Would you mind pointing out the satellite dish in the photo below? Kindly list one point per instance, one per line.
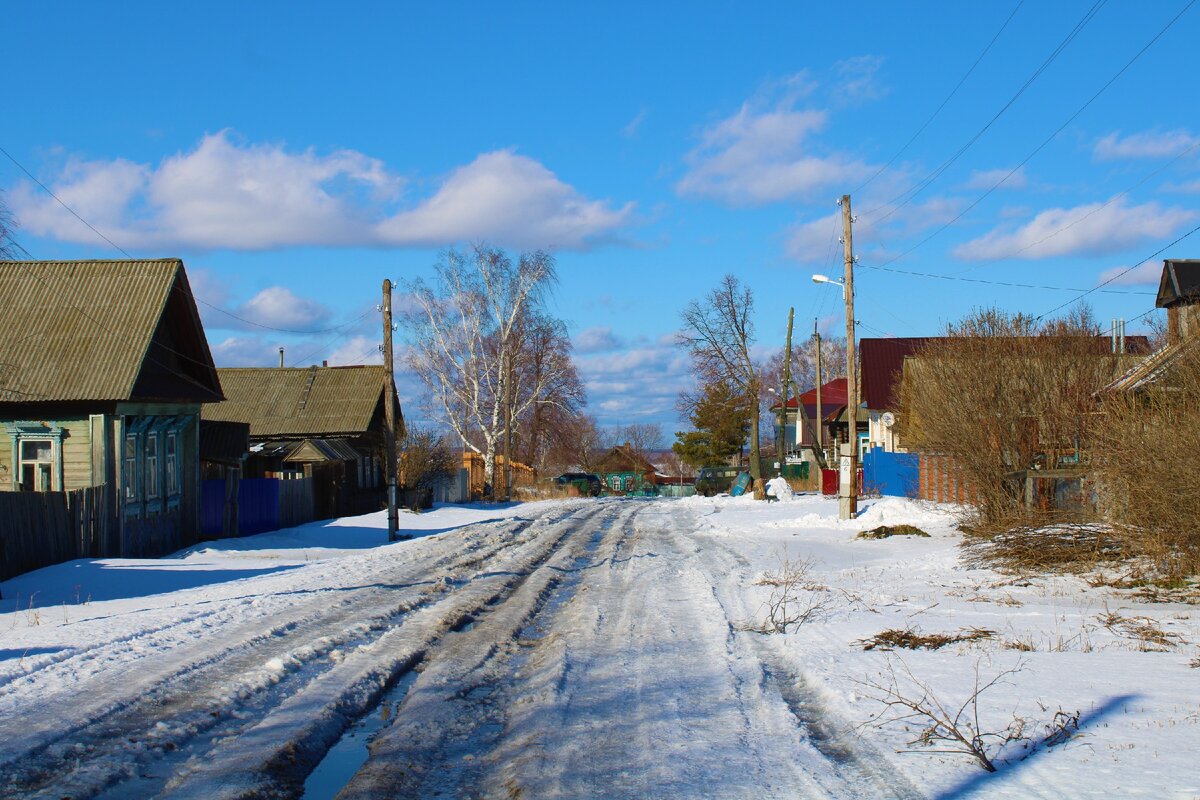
(888, 419)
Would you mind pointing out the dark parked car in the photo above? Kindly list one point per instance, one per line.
(588, 483)
(714, 480)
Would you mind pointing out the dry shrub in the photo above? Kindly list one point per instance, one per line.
(913, 639)
(886, 531)
(795, 598)
(1056, 548)
(1145, 446)
(1002, 394)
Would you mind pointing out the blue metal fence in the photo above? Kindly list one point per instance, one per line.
(894, 474)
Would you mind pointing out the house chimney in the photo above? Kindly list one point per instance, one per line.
(281, 358)
(324, 363)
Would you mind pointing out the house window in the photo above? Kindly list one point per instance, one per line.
(615, 482)
(131, 471)
(37, 458)
(151, 466)
(172, 457)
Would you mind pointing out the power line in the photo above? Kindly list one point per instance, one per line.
(921, 185)
(126, 253)
(1048, 139)
(947, 99)
(1125, 271)
(1095, 210)
(997, 283)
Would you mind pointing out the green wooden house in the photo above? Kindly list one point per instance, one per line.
(103, 369)
(624, 471)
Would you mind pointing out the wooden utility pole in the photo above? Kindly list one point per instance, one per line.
(848, 505)
(820, 410)
(783, 397)
(389, 406)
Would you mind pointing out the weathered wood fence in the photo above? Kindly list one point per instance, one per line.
(38, 529)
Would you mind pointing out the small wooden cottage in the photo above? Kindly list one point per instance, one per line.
(625, 471)
(103, 369)
(323, 423)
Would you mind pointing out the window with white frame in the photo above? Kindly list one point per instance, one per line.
(37, 461)
(129, 457)
(172, 463)
(152, 466)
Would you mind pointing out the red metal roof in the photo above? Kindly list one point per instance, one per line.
(833, 399)
(881, 362)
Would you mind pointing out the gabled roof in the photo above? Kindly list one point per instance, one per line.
(301, 403)
(1180, 283)
(1151, 369)
(101, 331)
(833, 399)
(624, 458)
(882, 363)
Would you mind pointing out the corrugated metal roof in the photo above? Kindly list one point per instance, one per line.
(298, 403)
(1151, 369)
(81, 330)
(882, 364)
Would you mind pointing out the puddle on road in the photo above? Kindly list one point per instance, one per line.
(349, 754)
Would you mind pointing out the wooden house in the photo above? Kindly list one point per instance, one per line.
(625, 471)
(323, 423)
(103, 369)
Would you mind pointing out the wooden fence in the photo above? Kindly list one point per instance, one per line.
(38, 529)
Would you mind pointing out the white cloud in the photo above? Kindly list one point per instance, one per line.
(1092, 229)
(245, 351)
(357, 350)
(764, 153)
(988, 178)
(857, 78)
(280, 307)
(228, 194)
(596, 340)
(632, 127)
(638, 383)
(816, 241)
(507, 199)
(1144, 273)
(1147, 144)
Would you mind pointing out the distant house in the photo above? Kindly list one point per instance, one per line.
(324, 423)
(103, 369)
(624, 471)
(804, 424)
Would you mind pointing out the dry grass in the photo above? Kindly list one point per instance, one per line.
(795, 598)
(1148, 632)
(1061, 548)
(887, 531)
(913, 639)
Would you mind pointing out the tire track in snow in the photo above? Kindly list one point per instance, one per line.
(859, 769)
(144, 712)
(457, 707)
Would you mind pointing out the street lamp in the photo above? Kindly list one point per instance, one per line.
(827, 279)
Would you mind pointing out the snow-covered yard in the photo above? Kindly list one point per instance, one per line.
(580, 649)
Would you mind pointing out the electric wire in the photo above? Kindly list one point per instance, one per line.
(1046, 141)
(938, 110)
(905, 197)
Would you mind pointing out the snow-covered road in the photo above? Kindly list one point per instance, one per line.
(569, 649)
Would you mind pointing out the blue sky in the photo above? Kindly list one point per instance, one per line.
(296, 154)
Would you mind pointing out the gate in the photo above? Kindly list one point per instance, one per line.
(892, 474)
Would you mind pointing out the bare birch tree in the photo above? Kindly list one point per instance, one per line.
(718, 334)
(464, 331)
